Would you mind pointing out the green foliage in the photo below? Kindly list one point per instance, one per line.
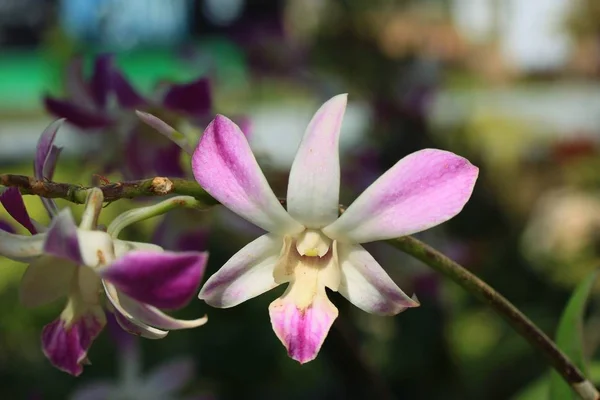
(569, 337)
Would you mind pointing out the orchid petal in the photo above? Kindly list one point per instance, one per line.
(20, 247)
(76, 87)
(46, 156)
(152, 316)
(66, 344)
(64, 240)
(12, 200)
(247, 274)
(126, 94)
(192, 98)
(314, 184)
(171, 376)
(76, 114)
(422, 190)
(302, 330)
(127, 321)
(48, 172)
(100, 82)
(51, 161)
(44, 147)
(223, 164)
(123, 247)
(46, 279)
(164, 279)
(366, 285)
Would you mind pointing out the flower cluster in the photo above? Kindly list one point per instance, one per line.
(82, 263)
(105, 103)
(308, 245)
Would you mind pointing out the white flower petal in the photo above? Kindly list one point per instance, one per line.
(247, 274)
(314, 184)
(366, 285)
(46, 279)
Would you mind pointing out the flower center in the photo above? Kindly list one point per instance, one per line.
(312, 243)
(309, 263)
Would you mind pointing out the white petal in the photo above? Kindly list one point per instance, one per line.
(314, 184)
(124, 246)
(422, 190)
(20, 247)
(366, 285)
(145, 330)
(247, 274)
(224, 165)
(46, 279)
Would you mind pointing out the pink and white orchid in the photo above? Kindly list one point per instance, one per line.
(310, 246)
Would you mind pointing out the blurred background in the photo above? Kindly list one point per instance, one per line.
(511, 85)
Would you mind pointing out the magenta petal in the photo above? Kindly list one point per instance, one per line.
(44, 147)
(126, 94)
(100, 83)
(12, 200)
(76, 86)
(76, 114)
(224, 165)
(51, 161)
(422, 190)
(164, 280)
(61, 240)
(192, 98)
(46, 156)
(302, 331)
(66, 346)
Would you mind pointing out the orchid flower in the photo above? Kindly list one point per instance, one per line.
(309, 246)
(80, 263)
(90, 106)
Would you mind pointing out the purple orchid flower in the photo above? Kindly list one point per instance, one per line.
(105, 103)
(310, 246)
(77, 262)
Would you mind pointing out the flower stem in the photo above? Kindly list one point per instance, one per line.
(517, 320)
(142, 213)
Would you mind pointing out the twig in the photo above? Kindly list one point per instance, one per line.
(158, 186)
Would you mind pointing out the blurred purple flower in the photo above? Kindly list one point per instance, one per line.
(105, 104)
(161, 383)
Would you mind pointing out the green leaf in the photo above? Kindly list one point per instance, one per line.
(569, 337)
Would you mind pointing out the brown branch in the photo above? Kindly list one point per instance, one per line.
(158, 186)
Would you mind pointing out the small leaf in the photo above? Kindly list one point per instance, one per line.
(569, 337)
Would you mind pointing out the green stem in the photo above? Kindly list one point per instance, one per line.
(139, 214)
(517, 320)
